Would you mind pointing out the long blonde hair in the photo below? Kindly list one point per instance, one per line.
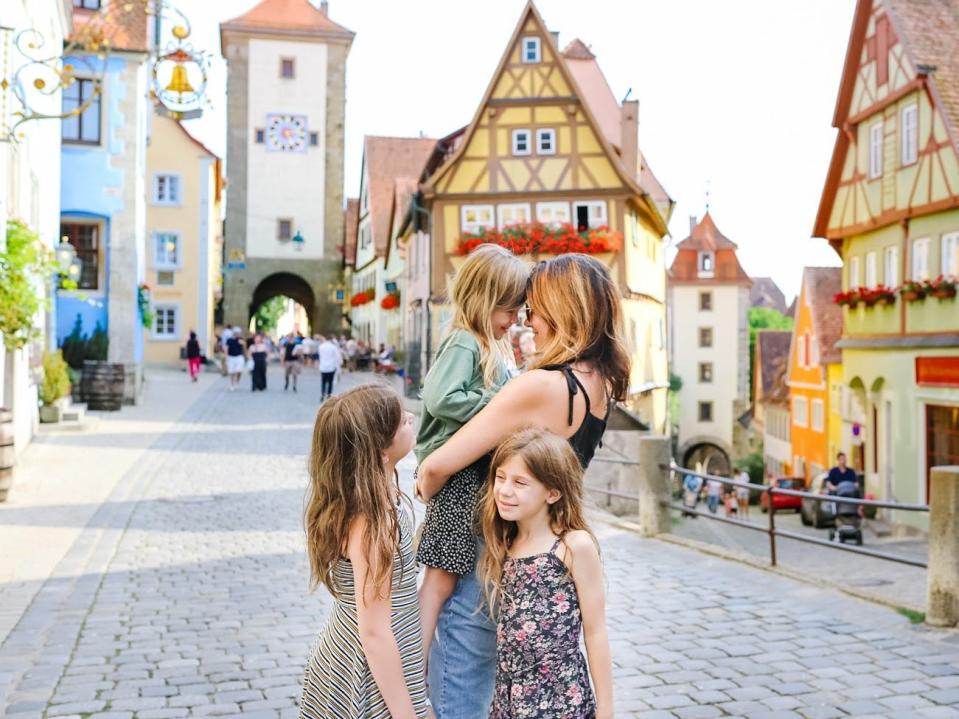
(347, 481)
(491, 278)
(551, 461)
(577, 298)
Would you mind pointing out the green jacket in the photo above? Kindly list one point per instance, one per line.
(453, 392)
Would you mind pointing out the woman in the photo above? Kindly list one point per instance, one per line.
(582, 366)
(258, 352)
(193, 355)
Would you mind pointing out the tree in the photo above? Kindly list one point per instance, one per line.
(763, 318)
(268, 314)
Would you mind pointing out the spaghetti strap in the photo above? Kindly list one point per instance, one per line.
(552, 550)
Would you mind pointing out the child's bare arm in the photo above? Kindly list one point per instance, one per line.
(376, 632)
(587, 570)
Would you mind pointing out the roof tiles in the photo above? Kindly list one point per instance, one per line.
(297, 16)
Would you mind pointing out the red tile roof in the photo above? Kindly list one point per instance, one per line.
(821, 283)
(705, 236)
(351, 220)
(388, 159)
(766, 293)
(287, 16)
(772, 358)
(124, 25)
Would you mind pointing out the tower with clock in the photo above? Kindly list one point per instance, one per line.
(285, 108)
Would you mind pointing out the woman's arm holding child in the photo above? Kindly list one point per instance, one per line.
(376, 631)
(587, 570)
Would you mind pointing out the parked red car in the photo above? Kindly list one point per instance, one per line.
(783, 501)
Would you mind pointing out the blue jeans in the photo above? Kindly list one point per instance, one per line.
(462, 667)
(712, 501)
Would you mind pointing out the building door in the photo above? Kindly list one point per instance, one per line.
(942, 438)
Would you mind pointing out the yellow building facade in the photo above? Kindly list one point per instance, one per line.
(549, 143)
(890, 208)
(184, 240)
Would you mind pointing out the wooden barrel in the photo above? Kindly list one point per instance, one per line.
(7, 456)
(103, 385)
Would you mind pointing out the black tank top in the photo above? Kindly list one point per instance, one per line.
(589, 435)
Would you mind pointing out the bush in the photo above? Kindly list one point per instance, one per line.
(754, 466)
(77, 347)
(56, 381)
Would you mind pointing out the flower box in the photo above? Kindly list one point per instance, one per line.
(362, 298)
(536, 238)
(391, 301)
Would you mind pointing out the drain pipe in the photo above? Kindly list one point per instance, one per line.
(416, 207)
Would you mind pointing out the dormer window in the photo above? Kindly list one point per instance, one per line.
(531, 50)
(707, 264)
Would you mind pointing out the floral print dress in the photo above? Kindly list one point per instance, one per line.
(540, 670)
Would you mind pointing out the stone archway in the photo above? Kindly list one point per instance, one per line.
(707, 458)
(288, 285)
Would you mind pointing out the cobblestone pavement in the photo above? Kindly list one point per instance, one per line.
(185, 595)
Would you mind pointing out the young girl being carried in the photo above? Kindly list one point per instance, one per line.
(472, 363)
(368, 661)
(543, 574)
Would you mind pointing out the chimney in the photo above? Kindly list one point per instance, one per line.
(629, 127)
(692, 223)
(325, 8)
(555, 34)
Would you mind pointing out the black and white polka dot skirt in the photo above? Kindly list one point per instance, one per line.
(448, 538)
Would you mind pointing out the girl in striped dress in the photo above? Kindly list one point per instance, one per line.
(368, 661)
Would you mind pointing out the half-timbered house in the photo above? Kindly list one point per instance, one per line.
(550, 144)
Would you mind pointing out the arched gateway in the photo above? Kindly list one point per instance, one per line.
(285, 111)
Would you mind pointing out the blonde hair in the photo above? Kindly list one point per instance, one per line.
(491, 278)
(576, 297)
(552, 462)
(347, 481)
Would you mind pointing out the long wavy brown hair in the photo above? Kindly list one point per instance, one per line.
(550, 460)
(348, 481)
(492, 278)
(577, 298)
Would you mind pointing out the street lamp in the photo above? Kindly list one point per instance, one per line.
(64, 255)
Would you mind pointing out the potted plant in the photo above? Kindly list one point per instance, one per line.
(942, 288)
(912, 291)
(391, 301)
(55, 386)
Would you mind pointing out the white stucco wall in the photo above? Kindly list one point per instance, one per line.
(728, 320)
(286, 184)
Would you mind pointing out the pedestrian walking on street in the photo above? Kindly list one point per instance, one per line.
(292, 354)
(368, 661)
(258, 353)
(543, 572)
(714, 492)
(329, 361)
(471, 365)
(692, 486)
(193, 356)
(580, 370)
(235, 358)
(742, 494)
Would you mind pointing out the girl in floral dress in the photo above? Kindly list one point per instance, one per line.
(543, 574)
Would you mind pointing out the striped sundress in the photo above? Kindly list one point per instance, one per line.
(338, 682)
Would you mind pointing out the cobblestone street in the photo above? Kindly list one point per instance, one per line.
(185, 594)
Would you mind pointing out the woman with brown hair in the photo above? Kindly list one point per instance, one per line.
(580, 369)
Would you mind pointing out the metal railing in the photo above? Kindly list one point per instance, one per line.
(770, 529)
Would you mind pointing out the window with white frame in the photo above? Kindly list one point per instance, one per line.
(521, 143)
(166, 189)
(166, 250)
(800, 411)
(589, 214)
(552, 213)
(870, 269)
(890, 266)
(801, 350)
(818, 413)
(920, 259)
(875, 150)
(475, 217)
(950, 255)
(531, 49)
(853, 279)
(366, 236)
(813, 352)
(513, 214)
(546, 141)
(166, 322)
(909, 134)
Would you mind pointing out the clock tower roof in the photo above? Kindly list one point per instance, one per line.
(287, 17)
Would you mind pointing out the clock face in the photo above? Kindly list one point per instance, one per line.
(286, 133)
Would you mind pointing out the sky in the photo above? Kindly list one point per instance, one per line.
(736, 97)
